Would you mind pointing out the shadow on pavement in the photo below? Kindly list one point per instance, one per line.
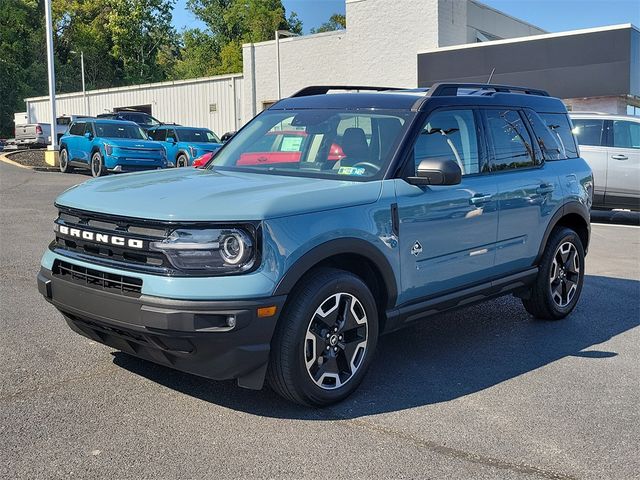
(443, 358)
(617, 217)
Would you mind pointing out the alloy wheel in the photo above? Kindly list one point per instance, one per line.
(336, 341)
(564, 274)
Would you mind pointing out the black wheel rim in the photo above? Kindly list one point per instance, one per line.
(564, 276)
(336, 341)
(95, 165)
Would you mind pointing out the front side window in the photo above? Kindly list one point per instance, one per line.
(589, 131)
(119, 130)
(338, 144)
(158, 135)
(626, 134)
(561, 127)
(77, 128)
(450, 134)
(509, 140)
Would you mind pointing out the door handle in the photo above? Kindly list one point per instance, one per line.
(479, 198)
(545, 188)
(619, 157)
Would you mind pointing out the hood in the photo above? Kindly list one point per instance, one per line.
(190, 194)
(131, 143)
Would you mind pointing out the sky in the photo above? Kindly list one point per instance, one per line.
(550, 15)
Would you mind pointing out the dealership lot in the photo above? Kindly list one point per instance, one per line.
(483, 392)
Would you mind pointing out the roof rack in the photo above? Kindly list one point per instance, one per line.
(323, 89)
(451, 89)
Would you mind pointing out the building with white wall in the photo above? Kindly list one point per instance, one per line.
(379, 46)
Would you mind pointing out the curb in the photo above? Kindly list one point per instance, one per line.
(4, 157)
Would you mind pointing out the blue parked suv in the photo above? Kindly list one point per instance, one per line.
(109, 146)
(292, 270)
(184, 144)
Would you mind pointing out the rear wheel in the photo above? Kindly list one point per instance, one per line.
(325, 339)
(560, 277)
(182, 161)
(97, 165)
(64, 161)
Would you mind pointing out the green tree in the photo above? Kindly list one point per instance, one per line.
(337, 21)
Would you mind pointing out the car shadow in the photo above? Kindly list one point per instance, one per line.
(615, 217)
(443, 358)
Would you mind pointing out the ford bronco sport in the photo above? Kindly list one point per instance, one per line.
(290, 271)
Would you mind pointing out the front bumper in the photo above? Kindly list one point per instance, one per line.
(192, 336)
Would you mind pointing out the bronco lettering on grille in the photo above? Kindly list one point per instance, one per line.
(101, 237)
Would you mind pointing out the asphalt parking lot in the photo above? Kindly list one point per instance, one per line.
(484, 392)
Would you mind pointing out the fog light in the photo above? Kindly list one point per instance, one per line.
(231, 322)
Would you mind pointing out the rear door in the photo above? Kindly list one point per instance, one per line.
(591, 134)
(623, 164)
(528, 191)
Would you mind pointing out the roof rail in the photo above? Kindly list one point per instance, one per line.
(323, 89)
(451, 89)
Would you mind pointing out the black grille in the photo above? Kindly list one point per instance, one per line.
(109, 282)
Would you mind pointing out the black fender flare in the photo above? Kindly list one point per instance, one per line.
(339, 246)
(572, 207)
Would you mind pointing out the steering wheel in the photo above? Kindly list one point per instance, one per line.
(370, 165)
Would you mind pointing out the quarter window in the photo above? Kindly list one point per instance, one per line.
(510, 140)
(450, 134)
(560, 126)
(589, 131)
(626, 134)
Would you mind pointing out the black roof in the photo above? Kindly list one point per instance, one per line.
(419, 99)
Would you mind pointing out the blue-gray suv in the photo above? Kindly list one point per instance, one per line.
(390, 207)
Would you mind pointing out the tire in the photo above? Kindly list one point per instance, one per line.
(97, 165)
(313, 327)
(64, 161)
(182, 161)
(558, 285)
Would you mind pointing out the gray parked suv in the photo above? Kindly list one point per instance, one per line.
(611, 146)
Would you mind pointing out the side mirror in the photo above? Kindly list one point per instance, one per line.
(437, 171)
(88, 135)
(227, 136)
(171, 140)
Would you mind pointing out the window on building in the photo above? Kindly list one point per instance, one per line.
(510, 141)
(589, 131)
(450, 134)
(626, 134)
(560, 126)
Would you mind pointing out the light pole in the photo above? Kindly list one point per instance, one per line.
(84, 90)
(281, 33)
(50, 155)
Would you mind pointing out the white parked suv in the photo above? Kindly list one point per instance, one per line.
(611, 145)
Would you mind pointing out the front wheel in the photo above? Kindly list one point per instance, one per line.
(97, 165)
(325, 339)
(182, 161)
(557, 288)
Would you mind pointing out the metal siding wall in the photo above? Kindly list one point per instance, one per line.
(186, 103)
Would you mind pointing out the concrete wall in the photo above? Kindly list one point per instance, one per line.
(379, 46)
(186, 102)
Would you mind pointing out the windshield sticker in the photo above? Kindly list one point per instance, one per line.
(291, 144)
(351, 171)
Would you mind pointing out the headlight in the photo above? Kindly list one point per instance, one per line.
(108, 149)
(215, 250)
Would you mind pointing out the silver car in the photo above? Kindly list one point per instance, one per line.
(611, 145)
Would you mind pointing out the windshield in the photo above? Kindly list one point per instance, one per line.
(201, 135)
(340, 144)
(119, 130)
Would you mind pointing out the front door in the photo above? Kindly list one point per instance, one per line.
(623, 164)
(447, 233)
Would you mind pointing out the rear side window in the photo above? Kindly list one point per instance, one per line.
(589, 131)
(450, 134)
(77, 128)
(626, 134)
(560, 126)
(510, 141)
